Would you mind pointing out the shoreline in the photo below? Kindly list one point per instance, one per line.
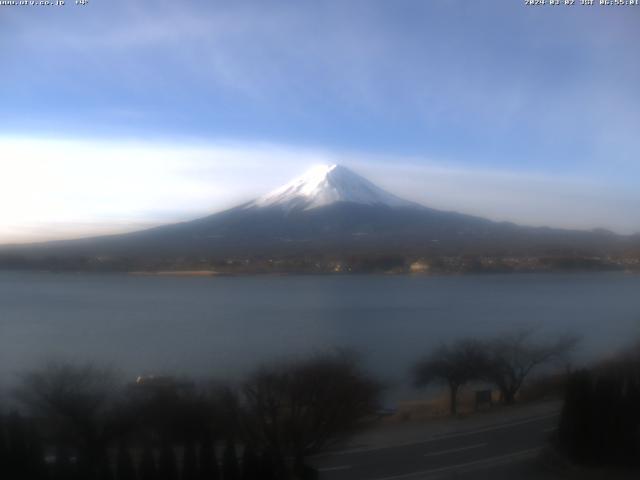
(216, 273)
(176, 273)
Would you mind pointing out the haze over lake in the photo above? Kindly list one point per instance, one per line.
(223, 327)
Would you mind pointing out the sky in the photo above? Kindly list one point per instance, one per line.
(120, 115)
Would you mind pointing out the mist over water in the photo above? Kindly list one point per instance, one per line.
(224, 327)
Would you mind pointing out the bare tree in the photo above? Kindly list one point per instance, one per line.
(512, 357)
(454, 365)
(294, 410)
(73, 401)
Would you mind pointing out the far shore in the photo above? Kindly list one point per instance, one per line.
(259, 273)
(215, 273)
(177, 273)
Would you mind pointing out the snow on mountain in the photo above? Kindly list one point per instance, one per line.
(324, 185)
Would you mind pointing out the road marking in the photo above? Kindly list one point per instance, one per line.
(487, 462)
(333, 469)
(440, 437)
(453, 450)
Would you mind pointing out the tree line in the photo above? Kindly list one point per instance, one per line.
(80, 422)
(83, 422)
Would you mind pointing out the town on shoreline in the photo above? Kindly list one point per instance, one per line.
(327, 264)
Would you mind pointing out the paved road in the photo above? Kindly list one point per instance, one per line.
(488, 452)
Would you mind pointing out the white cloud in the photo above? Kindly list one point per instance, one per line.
(495, 76)
(520, 197)
(61, 188)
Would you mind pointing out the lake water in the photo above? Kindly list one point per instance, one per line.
(224, 327)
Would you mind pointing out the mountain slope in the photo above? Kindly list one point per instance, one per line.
(331, 211)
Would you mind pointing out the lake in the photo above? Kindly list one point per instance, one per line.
(224, 326)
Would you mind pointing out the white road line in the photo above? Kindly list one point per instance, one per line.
(453, 450)
(441, 437)
(333, 469)
(487, 462)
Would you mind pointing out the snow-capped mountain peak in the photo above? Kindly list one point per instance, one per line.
(324, 185)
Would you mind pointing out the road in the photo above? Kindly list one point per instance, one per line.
(501, 450)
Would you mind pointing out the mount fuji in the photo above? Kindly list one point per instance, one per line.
(328, 212)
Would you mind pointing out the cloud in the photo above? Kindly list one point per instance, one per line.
(521, 197)
(496, 75)
(53, 188)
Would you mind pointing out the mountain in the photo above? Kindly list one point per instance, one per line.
(329, 212)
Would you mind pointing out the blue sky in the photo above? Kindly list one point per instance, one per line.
(151, 112)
